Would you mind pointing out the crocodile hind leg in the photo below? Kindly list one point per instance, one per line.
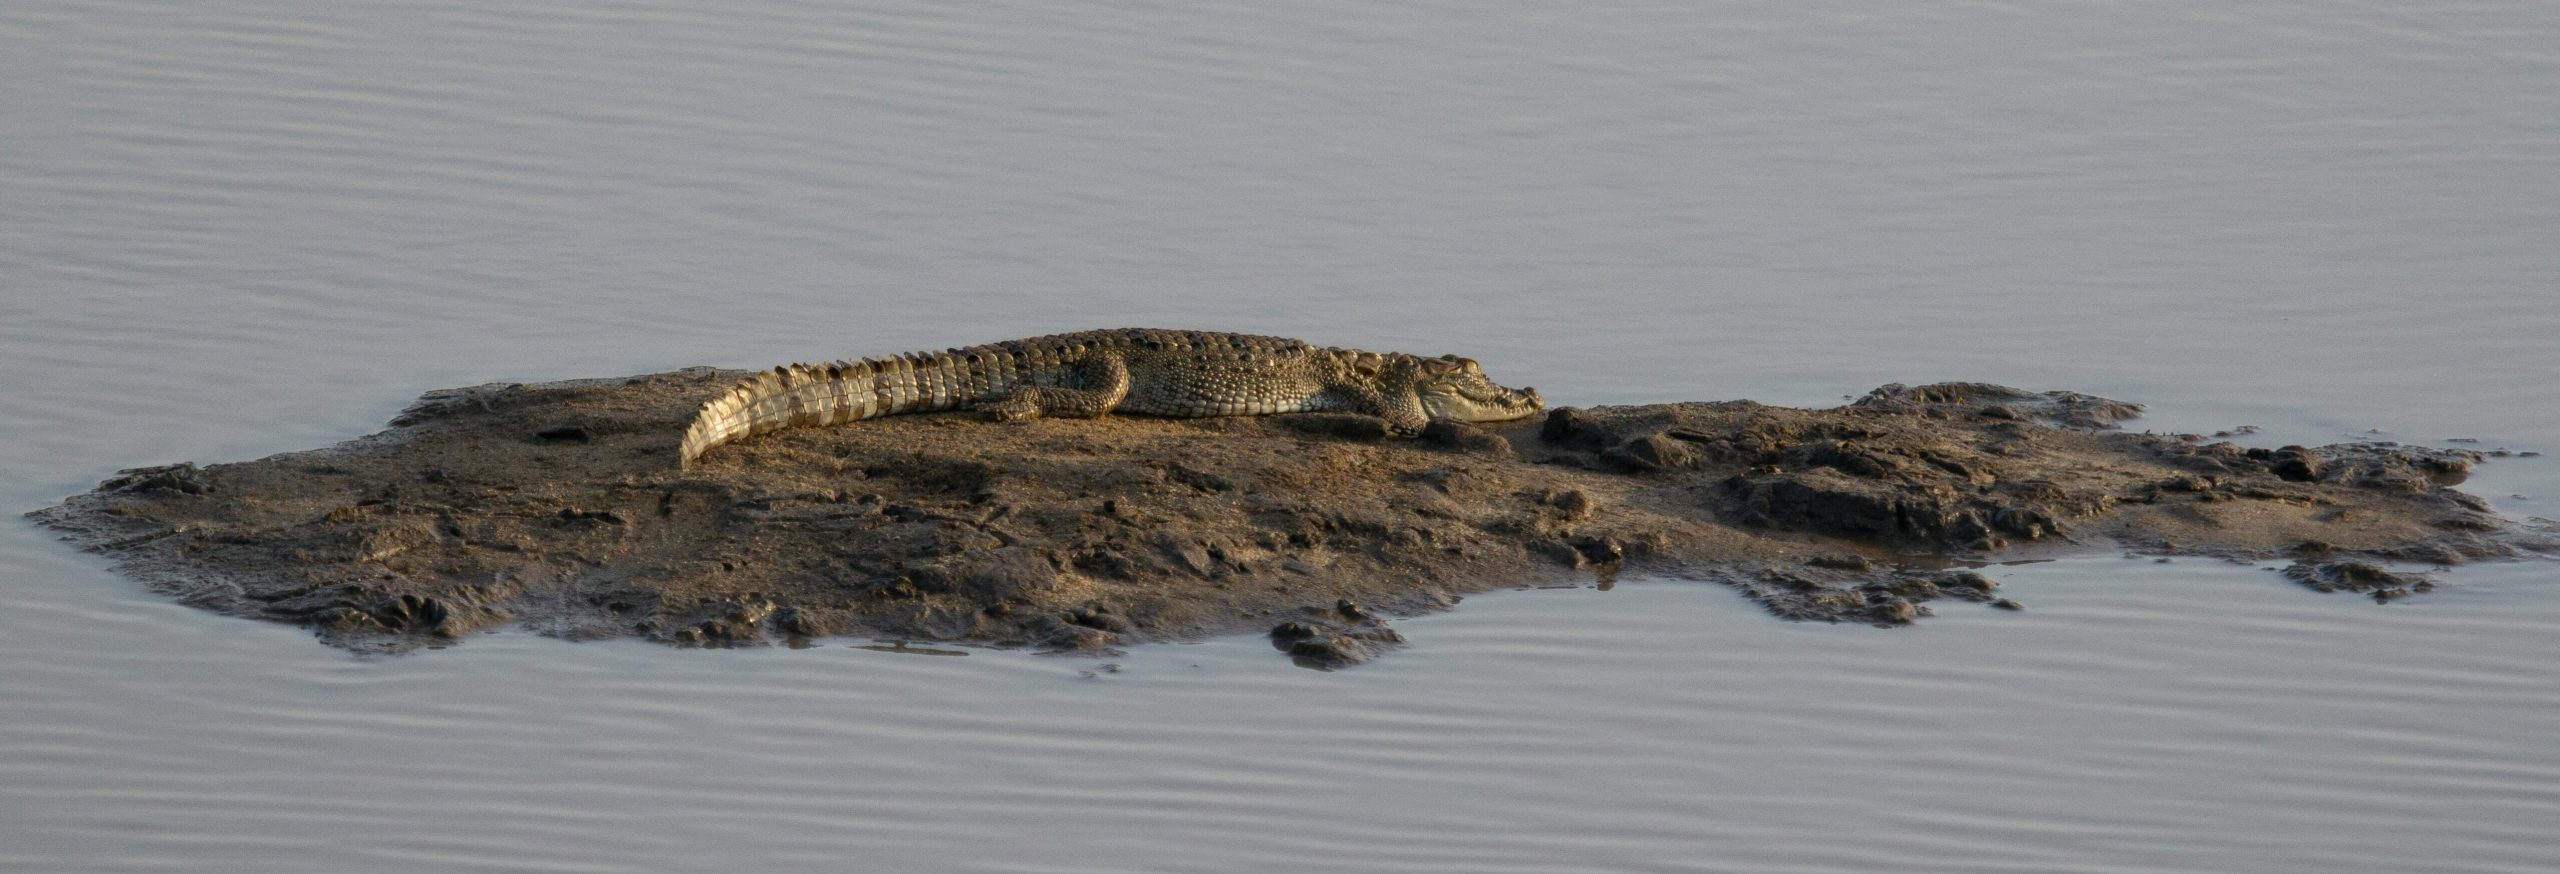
(1106, 382)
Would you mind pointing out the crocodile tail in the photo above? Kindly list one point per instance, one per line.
(833, 393)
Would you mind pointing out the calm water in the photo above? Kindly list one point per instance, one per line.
(232, 229)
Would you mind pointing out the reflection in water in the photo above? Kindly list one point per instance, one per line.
(903, 648)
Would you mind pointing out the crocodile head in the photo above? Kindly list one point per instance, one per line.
(1456, 388)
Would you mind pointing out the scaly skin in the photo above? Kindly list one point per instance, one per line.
(1180, 374)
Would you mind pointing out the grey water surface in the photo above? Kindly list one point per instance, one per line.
(229, 229)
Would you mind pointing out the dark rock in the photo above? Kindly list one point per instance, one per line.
(1841, 561)
(1965, 580)
(564, 433)
(182, 478)
(1100, 617)
(2393, 467)
(353, 612)
(1181, 552)
(1563, 552)
(2469, 521)
(804, 622)
(1791, 580)
(1859, 461)
(1465, 438)
(1941, 400)
(1915, 588)
(1570, 426)
(1572, 505)
(1828, 501)
(2358, 576)
(2027, 523)
(1107, 563)
(1010, 573)
(1287, 633)
(2075, 410)
(1897, 397)
(1601, 550)
(2295, 464)
(1653, 452)
(725, 623)
(573, 514)
(412, 613)
(1326, 647)
(1199, 479)
(1896, 611)
(1069, 637)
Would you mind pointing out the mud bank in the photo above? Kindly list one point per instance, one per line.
(559, 508)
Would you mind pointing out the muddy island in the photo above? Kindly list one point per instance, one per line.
(562, 508)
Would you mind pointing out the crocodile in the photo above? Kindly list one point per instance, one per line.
(1145, 371)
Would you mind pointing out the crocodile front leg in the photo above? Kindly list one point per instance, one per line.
(1105, 377)
(1402, 409)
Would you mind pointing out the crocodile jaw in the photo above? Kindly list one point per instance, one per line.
(1479, 400)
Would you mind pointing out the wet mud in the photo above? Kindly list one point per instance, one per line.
(560, 508)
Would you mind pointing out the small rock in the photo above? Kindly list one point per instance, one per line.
(2296, 464)
(1329, 650)
(2358, 576)
(1010, 573)
(1601, 550)
(1842, 561)
(1566, 425)
(1561, 551)
(183, 478)
(1464, 438)
(1323, 648)
(1291, 632)
(1066, 636)
(1099, 617)
(1486, 443)
(801, 622)
(1896, 611)
(1571, 504)
(1652, 452)
(1967, 580)
(564, 433)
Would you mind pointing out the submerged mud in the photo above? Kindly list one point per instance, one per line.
(560, 508)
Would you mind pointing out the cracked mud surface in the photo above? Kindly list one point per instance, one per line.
(559, 508)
